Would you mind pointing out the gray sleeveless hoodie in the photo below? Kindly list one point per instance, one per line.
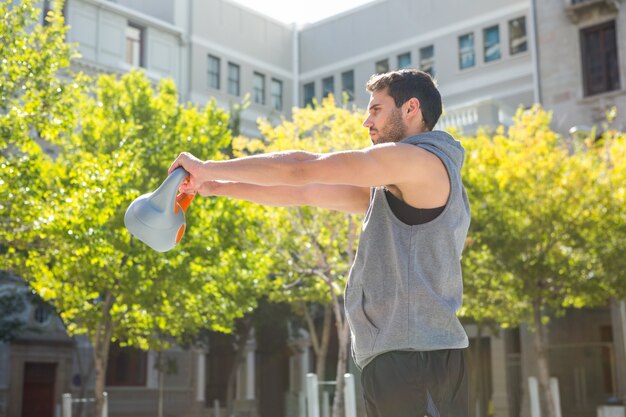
(405, 286)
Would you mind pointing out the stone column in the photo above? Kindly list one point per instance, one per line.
(200, 375)
(250, 368)
(618, 322)
(499, 365)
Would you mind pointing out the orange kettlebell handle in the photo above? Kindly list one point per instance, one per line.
(184, 200)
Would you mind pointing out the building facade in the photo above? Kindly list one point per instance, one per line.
(582, 62)
(488, 57)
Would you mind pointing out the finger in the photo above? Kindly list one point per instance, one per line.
(185, 187)
(178, 162)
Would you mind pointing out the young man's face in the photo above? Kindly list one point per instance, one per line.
(384, 121)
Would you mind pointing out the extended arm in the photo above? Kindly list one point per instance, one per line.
(418, 173)
(344, 198)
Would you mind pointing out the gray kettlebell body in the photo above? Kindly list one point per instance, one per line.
(156, 218)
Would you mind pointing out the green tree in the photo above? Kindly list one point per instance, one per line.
(527, 257)
(106, 284)
(314, 247)
(35, 105)
(605, 227)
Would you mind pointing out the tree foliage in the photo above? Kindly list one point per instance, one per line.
(543, 210)
(62, 211)
(313, 247)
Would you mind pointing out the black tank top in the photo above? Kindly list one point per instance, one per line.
(409, 214)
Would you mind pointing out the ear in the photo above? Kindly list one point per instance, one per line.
(411, 106)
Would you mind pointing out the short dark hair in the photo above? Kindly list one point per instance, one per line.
(404, 84)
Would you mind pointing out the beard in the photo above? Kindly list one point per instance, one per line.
(394, 130)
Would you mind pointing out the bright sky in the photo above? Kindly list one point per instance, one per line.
(301, 12)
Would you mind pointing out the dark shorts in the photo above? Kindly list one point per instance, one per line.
(416, 384)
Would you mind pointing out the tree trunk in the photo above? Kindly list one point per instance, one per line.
(543, 367)
(477, 368)
(243, 333)
(320, 346)
(84, 379)
(343, 333)
(103, 334)
(343, 330)
(161, 369)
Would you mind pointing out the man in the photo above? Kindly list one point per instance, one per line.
(405, 285)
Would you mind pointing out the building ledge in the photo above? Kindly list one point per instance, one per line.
(580, 10)
(602, 96)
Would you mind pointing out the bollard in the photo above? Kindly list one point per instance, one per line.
(556, 397)
(105, 405)
(312, 396)
(66, 410)
(533, 391)
(349, 395)
(325, 404)
(216, 408)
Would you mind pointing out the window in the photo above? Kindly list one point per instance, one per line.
(328, 86)
(491, 39)
(48, 6)
(42, 314)
(233, 79)
(126, 366)
(258, 88)
(134, 45)
(214, 72)
(427, 59)
(467, 56)
(218, 366)
(382, 66)
(347, 84)
(277, 94)
(404, 60)
(600, 61)
(518, 42)
(309, 94)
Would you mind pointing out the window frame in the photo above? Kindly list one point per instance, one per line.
(328, 86)
(135, 370)
(306, 89)
(277, 99)
(234, 84)
(402, 56)
(347, 87)
(140, 43)
(588, 59)
(516, 50)
(214, 75)
(383, 65)
(258, 91)
(431, 59)
(469, 52)
(497, 55)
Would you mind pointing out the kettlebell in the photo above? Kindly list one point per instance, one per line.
(158, 218)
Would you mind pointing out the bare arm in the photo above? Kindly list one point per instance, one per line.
(420, 175)
(347, 199)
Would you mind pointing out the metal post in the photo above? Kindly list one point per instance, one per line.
(556, 397)
(533, 391)
(325, 404)
(301, 404)
(216, 408)
(349, 395)
(312, 396)
(67, 405)
(105, 405)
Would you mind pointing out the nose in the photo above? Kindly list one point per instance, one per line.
(368, 122)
